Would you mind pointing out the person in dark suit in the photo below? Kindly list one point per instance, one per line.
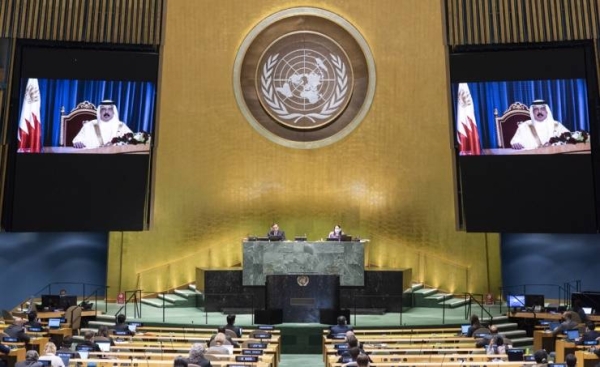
(341, 328)
(88, 340)
(32, 320)
(120, 325)
(16, 330)
(475, 324)
(276, 232)
(567, 324)
(337, 232)
(231, 325)
(65, 347)
(590, 333)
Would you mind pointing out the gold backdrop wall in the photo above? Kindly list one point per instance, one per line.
(217, 180)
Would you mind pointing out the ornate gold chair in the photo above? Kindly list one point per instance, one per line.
(507, 123)
(71, 123)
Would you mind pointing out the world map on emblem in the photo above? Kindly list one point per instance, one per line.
(304, 82)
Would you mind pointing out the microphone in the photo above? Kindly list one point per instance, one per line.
(161, 350)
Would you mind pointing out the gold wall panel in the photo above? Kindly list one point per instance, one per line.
(217, 180)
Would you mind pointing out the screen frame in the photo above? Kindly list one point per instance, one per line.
(506, 208)
(86, 192)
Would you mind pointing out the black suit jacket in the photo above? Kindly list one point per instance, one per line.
(279, 233)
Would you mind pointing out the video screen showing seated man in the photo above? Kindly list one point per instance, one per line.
(86, 116)
(522, 117)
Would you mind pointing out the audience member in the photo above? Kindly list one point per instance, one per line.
(541, 358)
(362, 360)
(50, 355)
(341, 328)
(496, 346)
(353, 342)
(121, 325)
(31, 360)
(218, 346)
(196, 355)
(16, 330)
(590, 333)
(354, 352)
(180, 362)
(32, 320)
(231, 325)
(104, 335)
(88, 339)
(571, 360)
(475, 324)
(567, 324)
(67, 347)
(230, 340)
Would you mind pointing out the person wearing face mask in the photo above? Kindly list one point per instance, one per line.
(337, 232)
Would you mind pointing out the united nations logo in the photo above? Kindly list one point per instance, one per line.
(304, 78)
(305, 81)
(302, 280)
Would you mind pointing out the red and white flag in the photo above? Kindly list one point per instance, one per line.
(468, 135)
(30, 129)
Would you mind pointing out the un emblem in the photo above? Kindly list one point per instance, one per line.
(304, 78)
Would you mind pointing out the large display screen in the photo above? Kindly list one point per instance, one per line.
(96, 106)
(525, 132)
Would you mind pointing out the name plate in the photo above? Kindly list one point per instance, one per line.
(261, 336)
(341, 346)
(252, 352)
(246, 358)
(266, 327)
(257, 345)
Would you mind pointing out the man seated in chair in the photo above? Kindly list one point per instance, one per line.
(103, 130)
(536, 133)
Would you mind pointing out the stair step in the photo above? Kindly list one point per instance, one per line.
(187, 293)
(440, 297)
(157, 302)
(192, 287)
(97, 323)
(173, 298)
(426, 292)
(454, 302)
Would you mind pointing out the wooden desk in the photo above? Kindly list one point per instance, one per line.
(15, 355)
(563, 348)
(54, 314)
(586, 359)
(74, 362)
(543, 340)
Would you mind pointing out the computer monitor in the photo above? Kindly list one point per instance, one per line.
(515, 354)
(587, 310)
(516, 300)
(67, 301)
(534, 301)
(54, 323)
(84, 350)
(50, 301)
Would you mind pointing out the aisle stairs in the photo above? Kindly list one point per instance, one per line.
(185, 297)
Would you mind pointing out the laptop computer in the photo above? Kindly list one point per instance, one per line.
(553, 325)
(515, 354)
(275, 238)
(45, 362)
(572, 335)
(84, 350)
(587, 310)
(54, 323)
(132, 327)
(65, 357)
(464, 329)
(104, 345)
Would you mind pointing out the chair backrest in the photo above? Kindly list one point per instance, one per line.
(71, 123)
(73, 317)
(7, 316)
(508, 122)
(230, 333)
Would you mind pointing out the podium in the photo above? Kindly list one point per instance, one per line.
(302, 297)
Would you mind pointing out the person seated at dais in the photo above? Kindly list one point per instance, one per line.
(337, 232)
(276, 232)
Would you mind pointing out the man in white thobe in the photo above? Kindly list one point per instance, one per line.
(536, 133)
(100, 132)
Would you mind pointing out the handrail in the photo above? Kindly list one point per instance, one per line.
(137, 302)
(471, 298)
